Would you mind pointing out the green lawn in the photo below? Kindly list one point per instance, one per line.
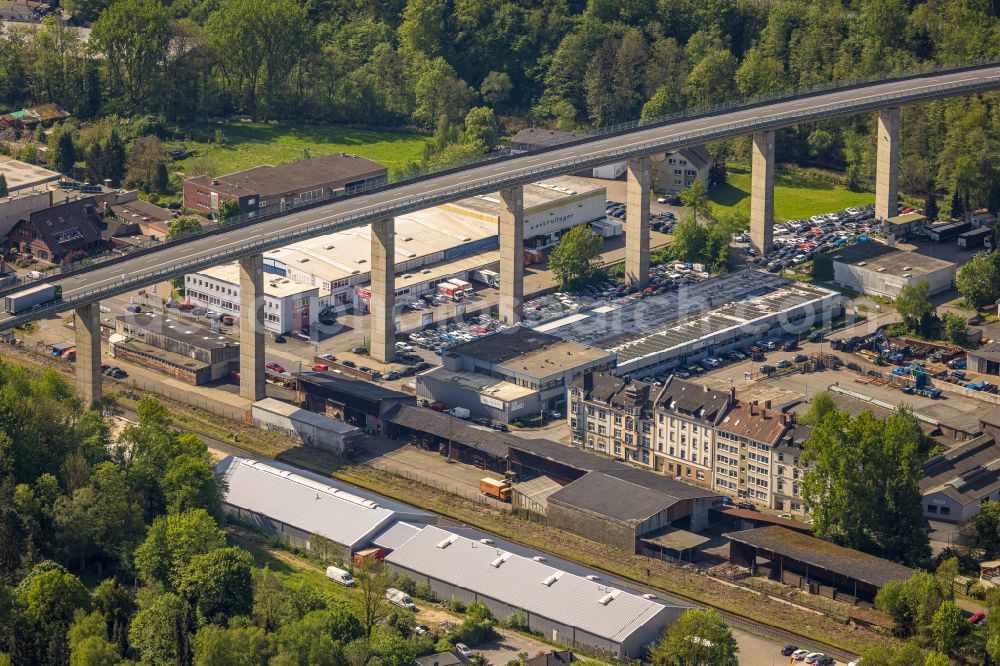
(247, 145)
(795, 195)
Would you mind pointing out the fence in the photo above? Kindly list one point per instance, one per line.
(455, 488)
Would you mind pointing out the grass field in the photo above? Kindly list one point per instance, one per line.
(247, 145)
(795, 195)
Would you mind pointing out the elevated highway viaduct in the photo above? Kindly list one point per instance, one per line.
(83, 289)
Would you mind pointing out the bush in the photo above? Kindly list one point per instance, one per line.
(424, 591)
(407, 585)
(456, 606)
(444, 645)
(516, 620)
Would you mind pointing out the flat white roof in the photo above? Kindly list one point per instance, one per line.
(274, 285)
(21, 174)
(309, 502)
(524, 582)
(348, 253)
(540, 195)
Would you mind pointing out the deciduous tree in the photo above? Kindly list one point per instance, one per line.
(913, 305)
(698, 638)
(577, 257)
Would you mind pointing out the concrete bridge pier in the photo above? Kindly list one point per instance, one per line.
(383, 299)
(887, 167)
(88, 353)
(511, 254)
(252, 382)
(637, 222)
(762, 192)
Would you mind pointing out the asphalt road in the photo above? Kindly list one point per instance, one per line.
(103, 281)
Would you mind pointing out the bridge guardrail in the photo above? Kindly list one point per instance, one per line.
(504, 154)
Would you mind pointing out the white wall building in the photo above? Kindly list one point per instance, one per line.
(878, 269)
(288, 305)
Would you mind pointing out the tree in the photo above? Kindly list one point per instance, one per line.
(134, 37)
(577, 258)
(711, 80)
(931, 206)
(861, 485)
(957, 205)
(159, 632)
(112, 158)
(61, 149)
(956, 329)
(218, 584)
(372, 581)
(116, 604)
(496, 88)
(183, 226)
(3, 185)
(913, 304)
(822, 267)
(317, 638)
(947, 626)
(911, 603)
(820, 405)
(978, 280)
(190, 483)
(986, 530)
(481, 129)
(48, 598)
(234, 646)
(228, 210)
(173, 541)
(144, 162)
(88, 641)
(689, 239)
(698, 638)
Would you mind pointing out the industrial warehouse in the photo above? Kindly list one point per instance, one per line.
(436, 244)
(579, 611)
(709, 317)
(295, 505)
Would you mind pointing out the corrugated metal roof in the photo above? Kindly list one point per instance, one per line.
(315, 505)
(534, 586)
(396, 535)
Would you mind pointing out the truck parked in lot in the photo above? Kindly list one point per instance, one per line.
(451, 290)
(29, 298)
(487, 277)
(400, 598)
(495, 488)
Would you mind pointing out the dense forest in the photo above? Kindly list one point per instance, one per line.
(111, 551)
(563, 63)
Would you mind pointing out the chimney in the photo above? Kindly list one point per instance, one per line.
(706, 388)
(627, 379)
(753, 412)
(767, 404)
(732, 394)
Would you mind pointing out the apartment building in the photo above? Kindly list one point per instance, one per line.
(687, 431)
(746, 442)
(669, 429)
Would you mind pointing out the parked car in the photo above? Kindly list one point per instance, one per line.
(463, 650)
(319, 367)
(800, 358)
(788, 650)
(392, 375)
(360, 350)
(275, 367)
(134, 309)
(349, 363)
(746, 505)
(977, 617)
(228, 320)
(784, 363)
(279, 338)
(327, 357)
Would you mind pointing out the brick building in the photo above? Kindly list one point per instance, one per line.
(52, 234)
(268, 189)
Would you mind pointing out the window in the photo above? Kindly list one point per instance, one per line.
(931, 508)
(618, 419)
(618, 433)
(699, 475)
(618, 449)
(945, 510)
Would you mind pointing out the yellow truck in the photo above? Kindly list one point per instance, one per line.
(495, 488)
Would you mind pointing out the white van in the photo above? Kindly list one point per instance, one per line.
(400, 598)
(340, 576)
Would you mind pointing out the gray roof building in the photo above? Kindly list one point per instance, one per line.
(956, 482)
(562, 606)
(298, 504)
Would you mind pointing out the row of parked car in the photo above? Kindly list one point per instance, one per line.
(798, 241)
(443, 337)
(807, 657)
